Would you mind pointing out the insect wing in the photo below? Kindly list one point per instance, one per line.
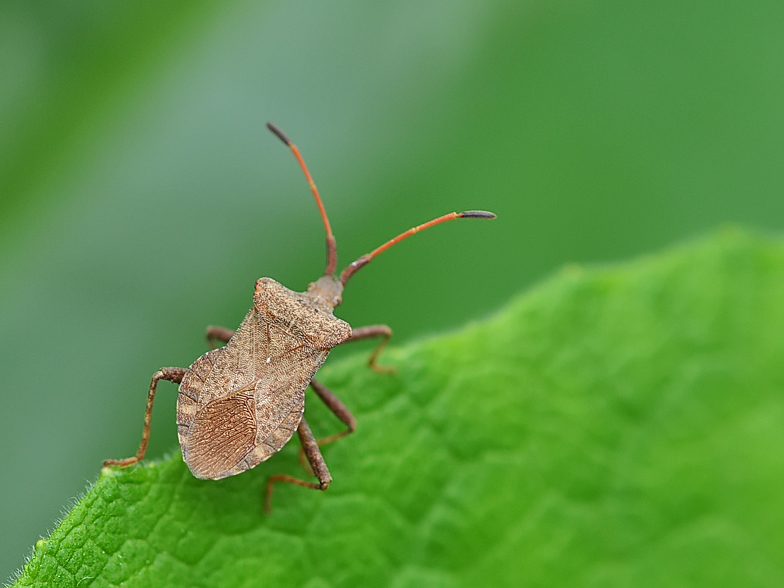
(240, 404)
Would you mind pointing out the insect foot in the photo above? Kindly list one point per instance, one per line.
(240, 404)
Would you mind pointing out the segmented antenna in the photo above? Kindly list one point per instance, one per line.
(367, 258)
(332, 250)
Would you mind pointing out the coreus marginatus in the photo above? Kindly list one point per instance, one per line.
(239, 404)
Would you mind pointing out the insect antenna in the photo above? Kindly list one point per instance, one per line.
(367, 258)
(332, 250)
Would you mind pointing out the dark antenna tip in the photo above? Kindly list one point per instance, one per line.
(278, 133)
(476, 214)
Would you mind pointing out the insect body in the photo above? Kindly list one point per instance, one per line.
(239, 404)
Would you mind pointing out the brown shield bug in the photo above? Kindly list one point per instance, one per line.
(239, 404)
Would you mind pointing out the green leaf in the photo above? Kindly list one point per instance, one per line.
(614, 427)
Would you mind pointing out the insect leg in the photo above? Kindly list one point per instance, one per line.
(374, 331)
(218, 334)
(172, 374)
(336, 406)
(315, 459)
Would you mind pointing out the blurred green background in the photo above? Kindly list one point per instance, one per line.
(141, 196)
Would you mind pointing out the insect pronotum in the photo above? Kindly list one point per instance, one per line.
(239, 404)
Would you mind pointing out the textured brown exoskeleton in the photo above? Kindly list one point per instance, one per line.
(239, 404)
